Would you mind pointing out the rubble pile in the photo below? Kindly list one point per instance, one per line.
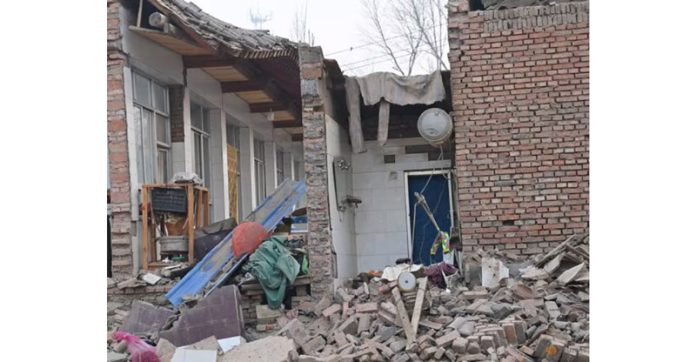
(539, 312)
(493, 307)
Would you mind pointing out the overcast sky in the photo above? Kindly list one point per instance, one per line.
(337, 25)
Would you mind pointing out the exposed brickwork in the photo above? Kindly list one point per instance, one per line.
(520, 93)
(118, 147)
(176, 112)
(315, 163)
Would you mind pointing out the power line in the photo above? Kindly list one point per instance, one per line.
(381, 61)
(375, 57)
(373, 42)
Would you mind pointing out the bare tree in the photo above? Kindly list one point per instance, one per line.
(405, 30)
(300, 32)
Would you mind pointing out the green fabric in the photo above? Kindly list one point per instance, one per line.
(274, 268)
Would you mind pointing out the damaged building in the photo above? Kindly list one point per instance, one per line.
(489, 156)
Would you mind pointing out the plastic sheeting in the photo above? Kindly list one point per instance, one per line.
(274, 268)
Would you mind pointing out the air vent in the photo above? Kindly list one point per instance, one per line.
(389, 158)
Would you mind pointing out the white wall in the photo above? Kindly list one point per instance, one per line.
(166, 67)
(381, 219)
(342, 223)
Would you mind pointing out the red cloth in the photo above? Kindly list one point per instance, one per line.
(139, 350)
(247, 237)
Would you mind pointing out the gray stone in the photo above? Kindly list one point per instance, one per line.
(467, 329)
(398, 346)
(116, 357)
(459, 345)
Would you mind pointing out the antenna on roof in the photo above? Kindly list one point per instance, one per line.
(258, 18)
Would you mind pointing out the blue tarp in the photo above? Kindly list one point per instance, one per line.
(269, 214)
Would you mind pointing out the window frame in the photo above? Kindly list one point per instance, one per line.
(260, 170)
(158, 146)
(201, 134)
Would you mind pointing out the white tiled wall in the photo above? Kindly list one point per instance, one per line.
(381, 234)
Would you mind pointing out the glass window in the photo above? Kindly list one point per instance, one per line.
(196, 116)
(152, 120)
(162, 129)
(260, 170)
(201, 147)
(160, 96)
(143, 95)
(162, 162)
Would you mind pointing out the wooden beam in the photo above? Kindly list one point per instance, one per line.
(243, 86)
(296, 137)
(268, 107)
(287, 124)
(403, 315)
(207, 61)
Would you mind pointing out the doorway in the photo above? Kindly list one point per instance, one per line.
(437, 191)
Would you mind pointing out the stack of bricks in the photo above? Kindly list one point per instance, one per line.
(520, 94)
(249, 300)
(122, 262)
(316, 169)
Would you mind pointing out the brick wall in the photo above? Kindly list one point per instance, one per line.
(520, 93)
(315, 162)
(118, 147)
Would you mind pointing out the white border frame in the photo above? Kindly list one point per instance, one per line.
(448, 173)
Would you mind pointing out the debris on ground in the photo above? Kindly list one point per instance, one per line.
(500, 308)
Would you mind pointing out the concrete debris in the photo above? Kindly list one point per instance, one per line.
(525, 310)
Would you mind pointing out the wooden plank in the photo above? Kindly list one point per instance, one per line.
(189, 224)
(415, 318)
(206, 61)
(287, 124)
(403, 316)
(268, 107)
(243, 86)
(177, 45)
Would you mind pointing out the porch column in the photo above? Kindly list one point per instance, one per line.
(319, 240)
(270, 165)
(218, 166)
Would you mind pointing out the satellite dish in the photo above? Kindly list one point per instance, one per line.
(435, 126)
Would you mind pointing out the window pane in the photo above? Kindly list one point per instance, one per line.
(149, 149)
(160, 94)
(206, 120)
(206, 162)
(197, 153)
(142, 90)
(162, 162)
(196, 120)
(162, 129)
